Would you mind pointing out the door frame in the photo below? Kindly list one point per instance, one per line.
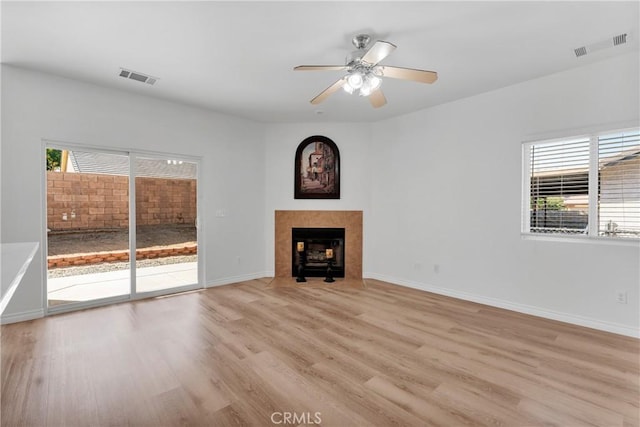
(133, 295)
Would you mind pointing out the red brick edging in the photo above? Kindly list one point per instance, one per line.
(70, 260)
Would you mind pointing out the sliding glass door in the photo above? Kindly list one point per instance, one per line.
(166, 234)
(93, 199)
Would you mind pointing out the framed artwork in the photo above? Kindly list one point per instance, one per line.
(317, 169)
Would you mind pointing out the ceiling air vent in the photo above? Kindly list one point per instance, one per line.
(581, 51)
(134, 75)
(621, 39)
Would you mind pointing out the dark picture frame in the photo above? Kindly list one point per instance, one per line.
(317, 169)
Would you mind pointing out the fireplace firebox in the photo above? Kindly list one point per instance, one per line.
(316, 242)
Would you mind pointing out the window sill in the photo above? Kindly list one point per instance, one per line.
(597, 240)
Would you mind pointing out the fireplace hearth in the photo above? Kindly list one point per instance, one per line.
(316, 241)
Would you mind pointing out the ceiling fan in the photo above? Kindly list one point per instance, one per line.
(364, 74)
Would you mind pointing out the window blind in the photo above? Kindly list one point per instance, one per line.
(619, 184)
(559, 186)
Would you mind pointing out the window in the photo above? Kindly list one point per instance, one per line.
(583, 186)
(619, 184)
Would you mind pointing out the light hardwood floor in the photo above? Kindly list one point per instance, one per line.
(380, 356)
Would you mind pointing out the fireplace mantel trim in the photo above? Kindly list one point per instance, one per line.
(351, 221)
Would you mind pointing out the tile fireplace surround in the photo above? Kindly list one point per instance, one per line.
(351, 221)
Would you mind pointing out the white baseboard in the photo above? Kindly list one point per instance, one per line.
(573, 319)
(494, 302)
(22, 316)
(236, 279)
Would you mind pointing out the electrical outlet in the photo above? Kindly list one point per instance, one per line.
(621, 297)
(436, 268)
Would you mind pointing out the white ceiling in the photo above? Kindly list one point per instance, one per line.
(237, 57)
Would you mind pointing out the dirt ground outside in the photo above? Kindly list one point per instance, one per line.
(88, 241)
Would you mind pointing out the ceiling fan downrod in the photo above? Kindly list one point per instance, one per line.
(360, 41)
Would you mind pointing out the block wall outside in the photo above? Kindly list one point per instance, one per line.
(165, 201)
(95, 201)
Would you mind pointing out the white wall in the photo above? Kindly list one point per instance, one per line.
(446, 198)
(282, 140)
(38, 106)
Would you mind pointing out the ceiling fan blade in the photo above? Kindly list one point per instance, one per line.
(378, 52)
(328, 91)
(377, 98)
(320, 68)
(421, 76)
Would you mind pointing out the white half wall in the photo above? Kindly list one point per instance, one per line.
(446, 198)
(38, 106)
(282, 140)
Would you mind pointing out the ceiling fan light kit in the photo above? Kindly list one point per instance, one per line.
(364, 75)
(363, 84)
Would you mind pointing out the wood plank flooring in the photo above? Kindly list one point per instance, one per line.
(250, 354)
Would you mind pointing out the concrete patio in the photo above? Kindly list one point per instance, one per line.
(87, 287)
